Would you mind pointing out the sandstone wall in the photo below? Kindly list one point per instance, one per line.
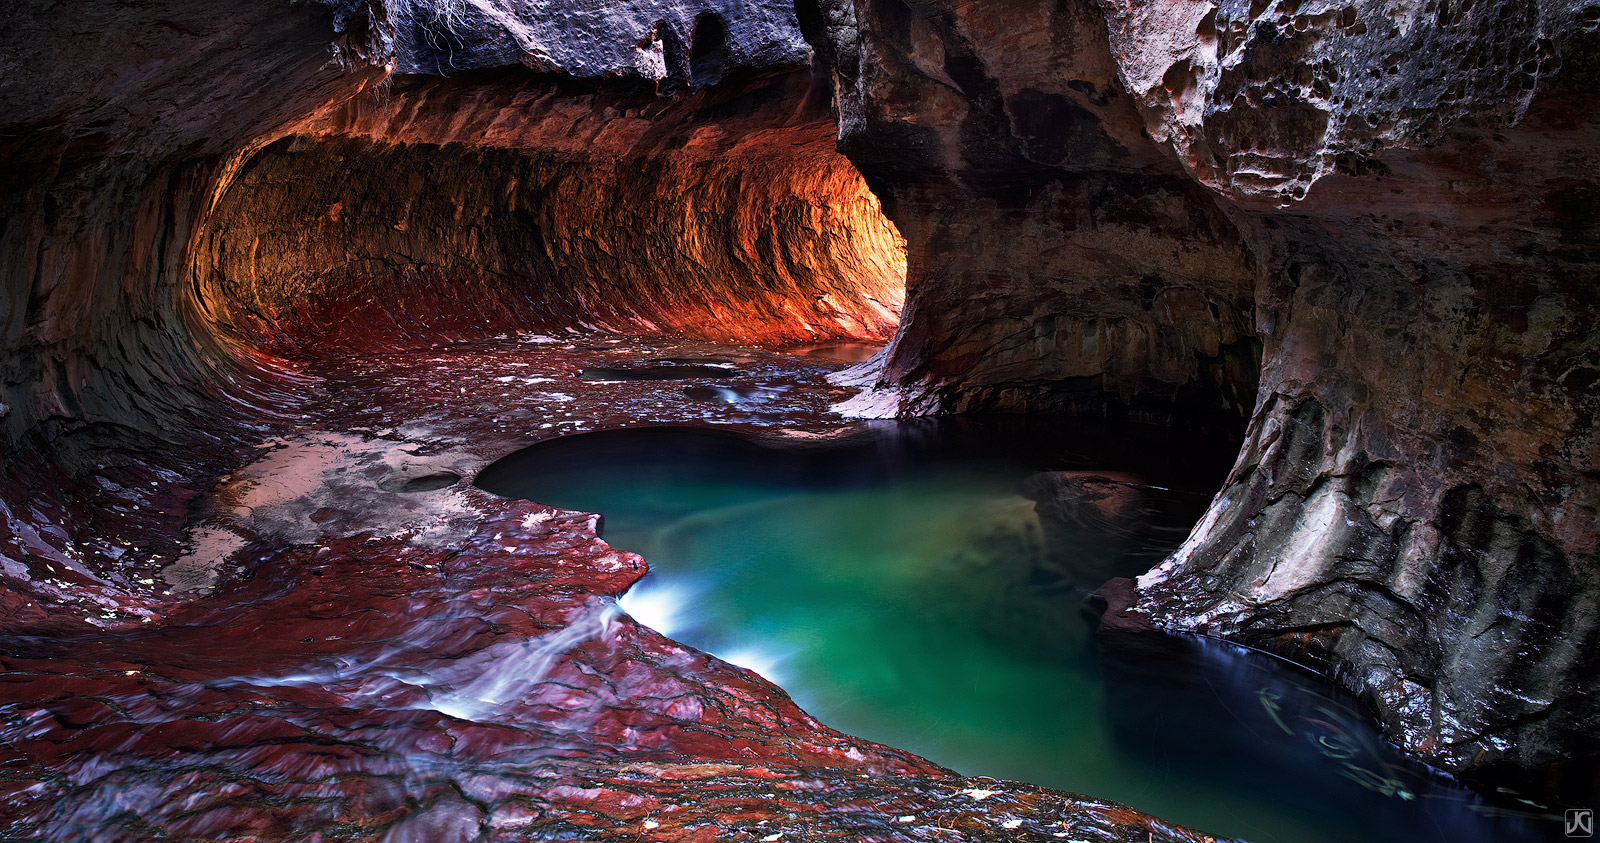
(1397, 205)
(112, 147)
(439, 210)
(1416, 506)
(1058, 259)
(133, 372)
(116, 127)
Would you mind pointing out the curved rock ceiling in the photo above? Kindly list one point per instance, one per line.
(1358, 236)
(455, 211)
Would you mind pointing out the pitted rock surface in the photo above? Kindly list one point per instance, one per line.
(1262, 99)
(672, 43)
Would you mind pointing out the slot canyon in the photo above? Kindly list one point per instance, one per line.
(292, 288)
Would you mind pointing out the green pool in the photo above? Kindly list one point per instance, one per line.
(922, 585)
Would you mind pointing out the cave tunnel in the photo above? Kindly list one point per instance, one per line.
(1292, 363)
(650, 217)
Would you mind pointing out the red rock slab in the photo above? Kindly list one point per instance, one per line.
(363, 686)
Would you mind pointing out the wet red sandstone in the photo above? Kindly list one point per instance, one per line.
(345, 688)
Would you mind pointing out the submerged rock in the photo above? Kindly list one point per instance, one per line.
(1091, 522)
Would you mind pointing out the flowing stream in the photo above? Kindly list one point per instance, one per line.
(921, 585)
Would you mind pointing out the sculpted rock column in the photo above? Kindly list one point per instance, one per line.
(1416, 504)
(1396, 200)
(1057, 259)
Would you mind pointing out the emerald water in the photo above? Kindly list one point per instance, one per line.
(921, 585)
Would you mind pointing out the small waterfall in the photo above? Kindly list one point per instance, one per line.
(505, 672)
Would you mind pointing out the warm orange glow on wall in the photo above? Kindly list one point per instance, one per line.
(760, 235)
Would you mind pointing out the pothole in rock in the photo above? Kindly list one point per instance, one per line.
(411, 479)
(729, 394)
(670, 372)
(838, 352)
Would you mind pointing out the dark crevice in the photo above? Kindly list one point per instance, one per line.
(708, 51)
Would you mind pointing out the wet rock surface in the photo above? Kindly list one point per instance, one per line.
(369, 662)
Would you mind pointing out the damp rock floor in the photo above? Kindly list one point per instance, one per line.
(356, 645)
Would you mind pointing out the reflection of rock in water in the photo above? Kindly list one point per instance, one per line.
(1017, 567)
(721, 362)
(841, 352)
(1096, 525)
(654, 373)
(731, 394)
(982, 567)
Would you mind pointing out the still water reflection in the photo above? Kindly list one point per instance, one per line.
(921, 586)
